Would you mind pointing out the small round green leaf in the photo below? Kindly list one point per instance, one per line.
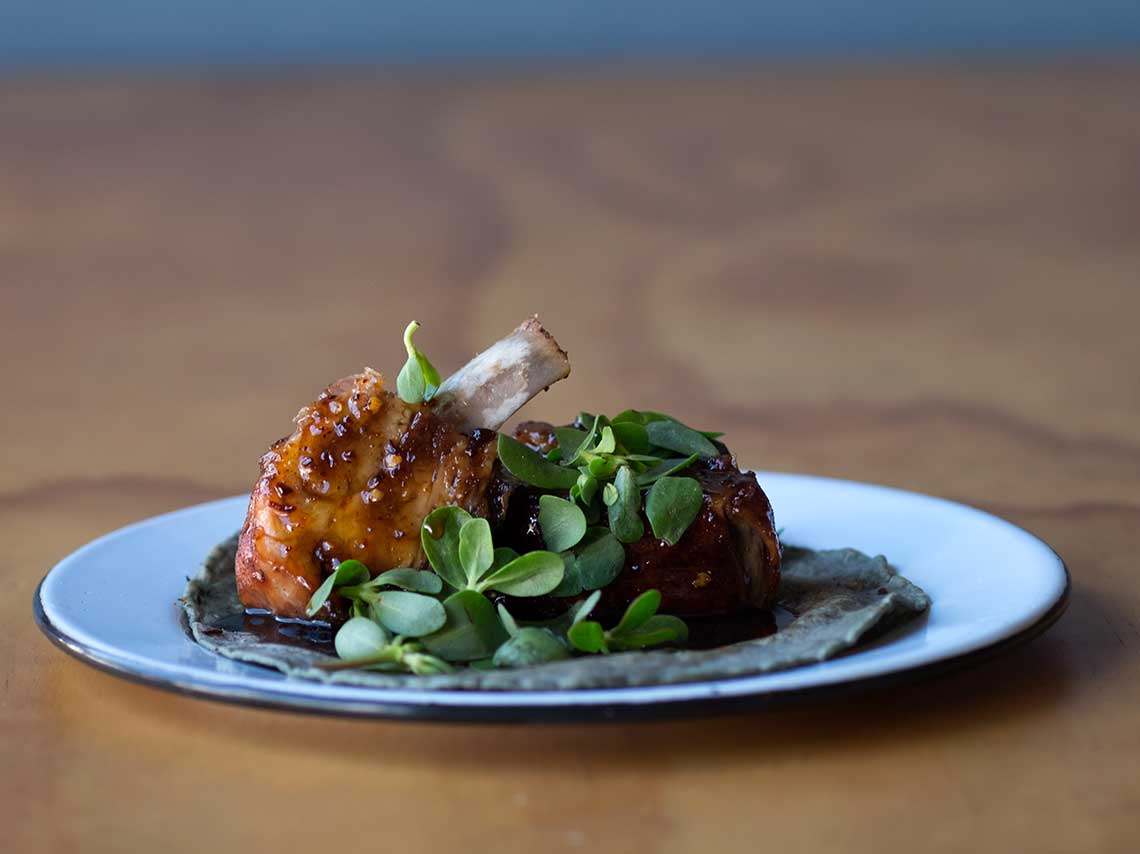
(472, 630)
(664, 468)
(418, 379)
(571, 583)
(598, 559)
(625, 513)
(658, 630)
(440, 538)
(632, 436)
(406, 578)
(348, 573)
(639, 610)
(571, 442)
(587, 636)
(675, 436)
(587, 486)
(609, 495)
(603, 467)
(410, 614)
(410, 382)
(476, 552)
(563, 523)
(532, 467)
(530, 646)
(360, 638)
(672, 505)
(533, 574)
(607, 443)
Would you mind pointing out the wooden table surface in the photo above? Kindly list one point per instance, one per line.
(925, 278)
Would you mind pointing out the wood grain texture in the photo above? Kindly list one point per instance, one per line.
(929, 279)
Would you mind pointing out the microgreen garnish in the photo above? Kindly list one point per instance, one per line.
(532, 467)
(472, 631)
(400, 611)
(675, 436)
(460, 550)
(347, 572)
(605, 465)
(527, 645)
(671, 506)
(625, 509)
(640, 627)
(563, 523)
(361, 643)
(418, 380)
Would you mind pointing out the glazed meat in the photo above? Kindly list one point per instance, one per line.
(363, 468)
(728, 560)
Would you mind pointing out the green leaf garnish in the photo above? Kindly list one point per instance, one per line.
(472, 630)
(361, 643)
(625, 511)
(476, 551)
(531, 645)
(664, 468)
(509, 622)
(638, 611)
(563, 523)
(671, 506)
(410, 614)
(571, 583)
(609, 495)
(598, 559)
(414, 580)
(418, 380)
(533, 574)
(360, 637)
(533, 468)
(571, 441)
(502, 557)
(440, 538)
(675, 436)
(640, 627)
(587, 636)
(658, 630)
(347, 573)
(631, 436)
(587, 487)
(581, 610)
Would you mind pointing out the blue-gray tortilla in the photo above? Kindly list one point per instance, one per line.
(837, 598)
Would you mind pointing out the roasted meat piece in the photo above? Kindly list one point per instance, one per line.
(728, 560)
(363, 468)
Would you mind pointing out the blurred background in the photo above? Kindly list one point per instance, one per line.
(773, 217)
(69, 33)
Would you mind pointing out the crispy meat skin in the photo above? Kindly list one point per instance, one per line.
(354, 480)
(728, 561)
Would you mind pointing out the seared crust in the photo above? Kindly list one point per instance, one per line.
(354, 480)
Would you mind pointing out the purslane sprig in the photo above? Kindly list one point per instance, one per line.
(465, 627)
(399, 610)
(641, 627)
(606, 468)
(418, 380)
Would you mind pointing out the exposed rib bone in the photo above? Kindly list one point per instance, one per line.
(499, 381)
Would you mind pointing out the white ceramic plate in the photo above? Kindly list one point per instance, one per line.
(112, 604)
